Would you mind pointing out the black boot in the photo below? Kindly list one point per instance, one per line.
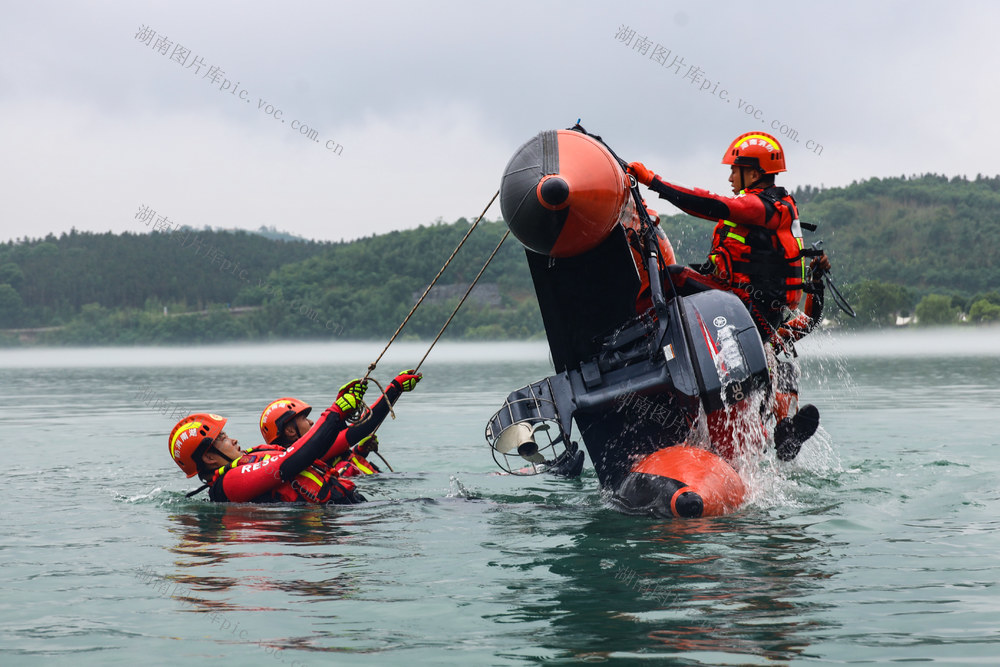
(569, 464)
(790, 433)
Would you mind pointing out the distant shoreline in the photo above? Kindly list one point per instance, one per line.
(952, 341)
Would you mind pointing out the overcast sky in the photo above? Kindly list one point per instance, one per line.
(417, 106)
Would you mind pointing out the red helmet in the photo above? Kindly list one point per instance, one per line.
(191, 437)
(277, 414)
(758, 150)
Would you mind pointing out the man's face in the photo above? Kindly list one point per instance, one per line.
(226, 446)
(736, 178)
(298, 427)
(741, 177)
(303, 424)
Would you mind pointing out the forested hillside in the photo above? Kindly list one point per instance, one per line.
(212, 286)
(894, 242)
(364, 289)
(54, 277)
(922, 245)
(928, 233)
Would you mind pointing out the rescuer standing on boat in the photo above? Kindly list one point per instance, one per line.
(757, 253)
(757, 250)
(299, 472)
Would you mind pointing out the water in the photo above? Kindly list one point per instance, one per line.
(878, 544)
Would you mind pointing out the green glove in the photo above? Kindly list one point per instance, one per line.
(407, 380)
(350, 395)
(356, 388)
(346, 403)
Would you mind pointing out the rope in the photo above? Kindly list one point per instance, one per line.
(363, 412)
(467, 292)
(838, 298)
(371, 366)
(384, 461)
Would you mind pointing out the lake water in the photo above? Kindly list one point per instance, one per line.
(876, 545)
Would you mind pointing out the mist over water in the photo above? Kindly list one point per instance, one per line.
(359, 354)
(981, 341)
(876, 544)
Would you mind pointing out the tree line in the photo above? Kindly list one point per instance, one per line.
(215, 286)
(922, 246)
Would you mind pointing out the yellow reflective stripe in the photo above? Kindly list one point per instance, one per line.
(733, 235)
(181, 431)
(802, 261)
(306, 473)
(759, 138)
(362, 467)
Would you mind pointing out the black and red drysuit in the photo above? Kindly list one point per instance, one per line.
(300, 472)
(353, 462)
(756, 248)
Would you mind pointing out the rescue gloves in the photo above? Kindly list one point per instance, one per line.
(349, 397)
(407, 380)
(641, 173)
(368, 445)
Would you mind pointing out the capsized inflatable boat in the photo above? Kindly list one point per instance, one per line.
(636, 363)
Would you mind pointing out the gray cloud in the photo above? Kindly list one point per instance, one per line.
(428, 100)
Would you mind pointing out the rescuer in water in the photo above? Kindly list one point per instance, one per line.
(757, 253)
(286, 420)
(300, 472)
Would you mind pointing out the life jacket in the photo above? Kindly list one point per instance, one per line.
(354, 464)
(766, 266)
(319, 483)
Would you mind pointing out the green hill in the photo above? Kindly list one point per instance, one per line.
(211, 286)
(894, 243)
(86, 277)
(927, 233)
(364, 289)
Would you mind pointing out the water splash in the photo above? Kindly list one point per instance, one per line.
(153, 495)
(457, 489)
